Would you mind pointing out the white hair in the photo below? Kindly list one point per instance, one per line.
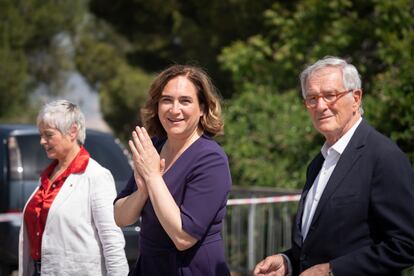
(62, 115)
(350, 75)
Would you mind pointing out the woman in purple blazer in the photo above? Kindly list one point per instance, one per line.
(181, 178)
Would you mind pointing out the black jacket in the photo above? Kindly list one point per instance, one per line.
(364, 222)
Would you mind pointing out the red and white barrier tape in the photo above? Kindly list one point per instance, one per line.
(260, 200)
(234, 201)
(10, 217)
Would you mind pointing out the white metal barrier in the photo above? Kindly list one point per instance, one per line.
(256, 227)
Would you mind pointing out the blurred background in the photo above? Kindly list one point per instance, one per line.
(103, 54)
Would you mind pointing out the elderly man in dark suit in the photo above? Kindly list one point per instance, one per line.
(356, 213)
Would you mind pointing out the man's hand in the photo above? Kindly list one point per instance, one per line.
(317, 270)
(274, 265)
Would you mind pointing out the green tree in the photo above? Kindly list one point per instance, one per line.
(194, 31)
(27, 56)
(376, 36)
(41, 41)
(269, 138)
(100, 57)
(391, 105)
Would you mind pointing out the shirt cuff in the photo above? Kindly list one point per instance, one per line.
(289, 271)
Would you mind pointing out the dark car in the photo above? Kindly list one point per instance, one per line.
(21, 161)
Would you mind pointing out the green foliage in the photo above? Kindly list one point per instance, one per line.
(13, 64)
(269, 138)
(41, 40)
(301, 34)
(122, 88)
(193, 31)
(376, 36)
(254, 51)
(392, 101)
(12, 85)
(122, 99)
(27, 56)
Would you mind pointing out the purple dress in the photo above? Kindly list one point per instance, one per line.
(199, 182)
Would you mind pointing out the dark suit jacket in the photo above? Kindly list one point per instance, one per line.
(364, 222)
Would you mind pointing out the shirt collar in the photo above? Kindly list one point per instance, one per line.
(78, 165)
(341, 144)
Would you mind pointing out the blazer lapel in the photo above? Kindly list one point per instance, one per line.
(64, 194)
(313, 171)
(347, 160)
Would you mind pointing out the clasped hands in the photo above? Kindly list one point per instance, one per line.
(146, 160)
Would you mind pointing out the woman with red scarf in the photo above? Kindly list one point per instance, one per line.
(68, 226)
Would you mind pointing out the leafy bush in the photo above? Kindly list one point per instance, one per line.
(269, 137)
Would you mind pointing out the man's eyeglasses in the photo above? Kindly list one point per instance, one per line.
(328, 97)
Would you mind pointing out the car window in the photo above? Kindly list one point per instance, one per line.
(32, 156)
(109, 154)
(101, 147)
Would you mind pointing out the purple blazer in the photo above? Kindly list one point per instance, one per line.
(200, 183)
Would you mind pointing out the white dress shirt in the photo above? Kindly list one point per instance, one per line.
(331, 155)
